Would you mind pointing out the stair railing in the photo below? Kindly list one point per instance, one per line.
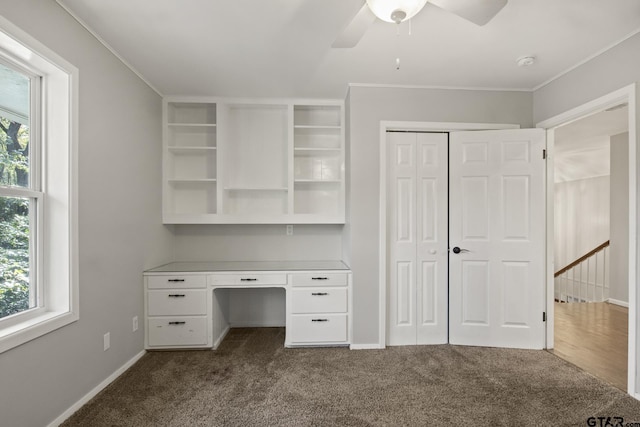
(585, 279)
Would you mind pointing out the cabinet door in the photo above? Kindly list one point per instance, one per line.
(166, 281)
(177, 331)
(319, 300)
(319, 279)
(176, 302)
(318, 328)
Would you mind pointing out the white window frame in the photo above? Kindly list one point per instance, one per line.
(53, 166)
(32, 192)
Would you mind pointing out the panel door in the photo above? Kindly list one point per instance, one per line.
(496, 280)
(417, 236)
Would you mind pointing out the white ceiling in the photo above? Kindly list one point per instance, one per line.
(282, 48)
(582, 148)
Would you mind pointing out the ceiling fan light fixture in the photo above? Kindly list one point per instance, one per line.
(395, 11)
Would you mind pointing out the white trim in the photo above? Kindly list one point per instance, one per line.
(105, 44)
(374, 346)
(592, 107)
(435, 87)
(97, 389)
(587, 59)
(386, 125)
(618, 302)
(59, 229)
(625, 94)
(549, 190)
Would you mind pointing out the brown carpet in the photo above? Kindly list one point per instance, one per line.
(251, 380)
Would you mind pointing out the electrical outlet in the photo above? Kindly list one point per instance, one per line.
(135, 323)
(289, 230)
(107, 341)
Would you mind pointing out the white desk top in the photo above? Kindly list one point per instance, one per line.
(217, 266)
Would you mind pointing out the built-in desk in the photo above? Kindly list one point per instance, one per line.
(183, 309)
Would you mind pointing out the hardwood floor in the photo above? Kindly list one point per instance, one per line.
(593, 336)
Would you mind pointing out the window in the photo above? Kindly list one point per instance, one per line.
(38, 225)
(20, 194)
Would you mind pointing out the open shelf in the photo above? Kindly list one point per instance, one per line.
(191, 136)
(191, 113)
(191, 197)
(241, 161)
(316, 116)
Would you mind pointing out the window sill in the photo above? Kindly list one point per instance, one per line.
(33, 328)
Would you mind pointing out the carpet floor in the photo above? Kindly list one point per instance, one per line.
(252, 380)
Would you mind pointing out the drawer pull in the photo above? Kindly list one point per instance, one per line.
(248, 280)
(319, 278)
(319, 294)
(175, 280)
(177, 323)
(177, 295)
(319, 320)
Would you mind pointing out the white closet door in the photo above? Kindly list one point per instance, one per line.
(417, 293)
(496, 281)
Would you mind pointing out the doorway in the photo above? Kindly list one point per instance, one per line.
(491, 185)
(591, 240)
(627, 96)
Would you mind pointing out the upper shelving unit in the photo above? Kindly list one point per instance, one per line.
(235, 161)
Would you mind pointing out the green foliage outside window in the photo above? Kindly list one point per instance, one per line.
(14, 219)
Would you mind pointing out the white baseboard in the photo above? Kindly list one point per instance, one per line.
(618, 302)
(97, 389)
(375, 346)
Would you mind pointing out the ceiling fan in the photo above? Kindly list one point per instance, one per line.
(396, 11)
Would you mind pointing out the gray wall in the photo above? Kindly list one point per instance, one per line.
(619, 217)
(612, 70)
(120, 231)
(257, 242)
(367, 107)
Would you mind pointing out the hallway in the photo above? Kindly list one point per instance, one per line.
(593, 336)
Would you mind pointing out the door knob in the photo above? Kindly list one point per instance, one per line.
(457, 250)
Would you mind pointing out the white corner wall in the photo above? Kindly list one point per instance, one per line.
(581, 218)
(120, 231)
(368, 106)
(619, 229)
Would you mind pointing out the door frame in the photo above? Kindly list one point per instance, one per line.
(407, 126)
(626, 94)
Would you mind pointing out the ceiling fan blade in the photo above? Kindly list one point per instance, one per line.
(477, 11)
(354, 31)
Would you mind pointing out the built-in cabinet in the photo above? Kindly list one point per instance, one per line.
(189, 309)
(177, 312)
(232, 161)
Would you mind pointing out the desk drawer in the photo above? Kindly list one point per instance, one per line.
(177, 331)
(176, 281)
(320, 279)
(247, 279)
(319, 300)
(176, 302)
(318, 329)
